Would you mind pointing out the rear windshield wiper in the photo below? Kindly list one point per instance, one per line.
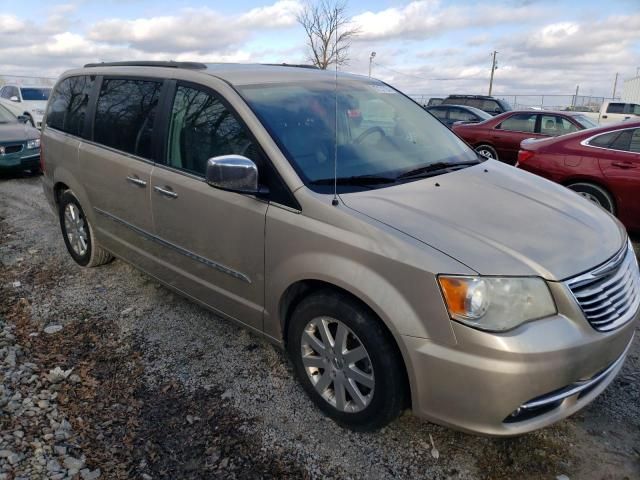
(355, 180)
(435, 169)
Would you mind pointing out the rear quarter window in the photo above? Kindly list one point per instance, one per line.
(67, 107)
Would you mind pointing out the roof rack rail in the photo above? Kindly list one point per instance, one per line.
(290, 65)
(169, 64)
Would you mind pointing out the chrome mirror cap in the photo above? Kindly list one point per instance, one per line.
(234, 173)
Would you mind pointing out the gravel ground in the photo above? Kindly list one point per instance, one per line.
(152, 386)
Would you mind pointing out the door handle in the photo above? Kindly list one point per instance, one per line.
(137, 181)
(624, 165)
(604, 116)
(166, 191)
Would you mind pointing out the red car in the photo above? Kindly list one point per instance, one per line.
(601, 164)
(500, 136)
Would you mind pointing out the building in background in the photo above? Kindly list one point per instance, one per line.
(631, 90)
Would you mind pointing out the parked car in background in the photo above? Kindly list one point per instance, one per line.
(611, 112)
(19, 143)
(26, 100)
(500, 137)
(434, 101)
(450, 114)
(602, 165)
(491, 105)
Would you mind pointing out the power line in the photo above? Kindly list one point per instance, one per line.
(424, 78)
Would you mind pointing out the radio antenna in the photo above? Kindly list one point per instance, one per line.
(335, 201)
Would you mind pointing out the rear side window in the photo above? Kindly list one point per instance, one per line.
(523, 122)
(619, 140)
(439, 113)
(202, 127)
(554, 125)
(458, 114)
(68, 105)
(615, 108)
(125, 115)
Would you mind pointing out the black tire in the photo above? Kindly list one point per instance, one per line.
(487, 151)
(596, 194)
(390, 389)
(94, 254)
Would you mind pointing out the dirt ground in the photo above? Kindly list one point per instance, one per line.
(167, 390)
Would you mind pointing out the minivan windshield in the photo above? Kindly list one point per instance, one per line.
(31, 93)
(382, 137)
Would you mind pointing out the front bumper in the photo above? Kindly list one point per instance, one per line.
(24, 160)
(519, 381)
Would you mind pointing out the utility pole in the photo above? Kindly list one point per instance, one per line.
(615, 85)
(371, 57)
(493, 69)
(575, 97)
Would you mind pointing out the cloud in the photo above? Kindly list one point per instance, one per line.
(422, 19)
(194, 30)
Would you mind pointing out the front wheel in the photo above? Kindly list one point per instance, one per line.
(346, 361)
(595, 194)
(78, 233)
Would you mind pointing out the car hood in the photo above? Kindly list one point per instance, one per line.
(17, 132)
(498, 220)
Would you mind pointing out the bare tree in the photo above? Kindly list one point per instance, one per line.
(322, 21)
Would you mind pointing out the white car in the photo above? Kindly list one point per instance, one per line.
(611, 112)
(26, 100)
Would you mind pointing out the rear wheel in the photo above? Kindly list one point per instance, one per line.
(487, 151)
(595, 194)
(78, 233)
(346, 361)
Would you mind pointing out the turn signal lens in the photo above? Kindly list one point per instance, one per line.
(466, 297)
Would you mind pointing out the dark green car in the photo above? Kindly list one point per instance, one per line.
(19, 143)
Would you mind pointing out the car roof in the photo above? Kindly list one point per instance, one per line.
(234, 73)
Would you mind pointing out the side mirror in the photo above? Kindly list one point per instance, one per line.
(14, 99)
(23, 119)
(234, 173)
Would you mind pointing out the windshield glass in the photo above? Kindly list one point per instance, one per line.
(6, 116)
(30, 93)
(380, 132)
(585, 121)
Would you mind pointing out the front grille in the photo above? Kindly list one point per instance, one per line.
(609, 296)
(8, 149)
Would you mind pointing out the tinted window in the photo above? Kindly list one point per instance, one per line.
(67, 108)
(458, 114)
(522, 122)
(440, 113)
(202, 127)
(125, 115)
(489, 106)
(30, 93)
(619, 140)
(635, 141)
(615, 108)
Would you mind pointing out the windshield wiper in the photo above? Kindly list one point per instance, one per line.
(355, 180)
(434, 169)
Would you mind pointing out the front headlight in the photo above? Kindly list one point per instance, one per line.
(496, 303)
(35, 143)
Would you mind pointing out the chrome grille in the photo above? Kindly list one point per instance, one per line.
(609, 296)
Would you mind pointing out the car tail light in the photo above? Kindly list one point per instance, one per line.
(41, 156)
(524, 156)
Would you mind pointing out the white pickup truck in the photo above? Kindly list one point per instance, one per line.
(611, 112)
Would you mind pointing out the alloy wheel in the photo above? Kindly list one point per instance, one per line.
(337, 364)
(76, 229)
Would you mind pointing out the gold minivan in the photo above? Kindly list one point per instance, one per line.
(333, 215)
